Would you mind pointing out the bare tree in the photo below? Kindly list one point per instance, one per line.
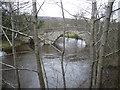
(63, 51)
(92, 44)
(0, 42)
(13, 47)
(103, 43)
(39, 66)
(119, 42)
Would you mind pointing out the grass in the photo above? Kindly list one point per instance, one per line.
(72, 35)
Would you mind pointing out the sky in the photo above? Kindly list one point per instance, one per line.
(72, 6)
(51, 8)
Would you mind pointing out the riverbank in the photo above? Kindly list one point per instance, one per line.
(6, 47)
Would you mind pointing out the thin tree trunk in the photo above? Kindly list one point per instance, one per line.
(18, 7)
(63, 52)
(119, 44)
(0, 48)
(92, 44)
(97, 32)
(13, 49)
(17, 15)
(39, 66)
(103, 43)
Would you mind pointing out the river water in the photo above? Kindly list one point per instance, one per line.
(76, 65)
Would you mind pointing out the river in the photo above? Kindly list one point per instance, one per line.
(76, 65)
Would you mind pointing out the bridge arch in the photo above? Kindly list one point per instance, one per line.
(53, 36)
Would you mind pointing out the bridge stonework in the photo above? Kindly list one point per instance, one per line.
(50, 35)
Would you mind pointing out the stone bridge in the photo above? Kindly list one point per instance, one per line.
(50, 35)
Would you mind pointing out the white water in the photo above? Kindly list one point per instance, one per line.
(2, 53)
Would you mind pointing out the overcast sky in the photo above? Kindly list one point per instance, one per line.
(72, 6)
(50, 8)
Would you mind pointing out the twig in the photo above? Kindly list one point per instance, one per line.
(41, 6)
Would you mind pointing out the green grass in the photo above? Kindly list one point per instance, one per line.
(72, 35)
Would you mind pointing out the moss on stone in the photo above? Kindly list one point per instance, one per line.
(72, 35)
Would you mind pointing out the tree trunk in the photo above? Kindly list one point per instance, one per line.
(39, 66)
(13, 48)
(63, 51)
(119, 44)
(92, 44)
(0, 48)
(103, 43)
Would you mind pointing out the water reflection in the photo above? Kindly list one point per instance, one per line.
(71, 43)
(76, 71)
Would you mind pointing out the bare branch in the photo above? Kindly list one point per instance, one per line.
(41, 6)
(7, 65)
(13, 68)
(18, 69)
(17, 32)
(69, 12)
(5, 82)
(56, 48)
(6, 37)
(104, 16)
(112, 53)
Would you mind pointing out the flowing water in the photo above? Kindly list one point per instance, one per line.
(76, 65)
